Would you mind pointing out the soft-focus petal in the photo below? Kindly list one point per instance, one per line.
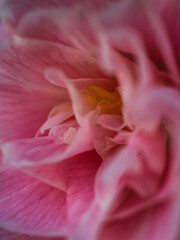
(140, 18)
(153, 223)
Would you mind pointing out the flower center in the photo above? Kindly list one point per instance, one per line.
(110, 102)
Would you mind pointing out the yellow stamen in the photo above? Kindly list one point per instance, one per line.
(110, 102)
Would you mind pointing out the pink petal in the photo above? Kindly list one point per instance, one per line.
(55, 175)
(19, 152)
(144, 21)
(158, 222)
(6, 235)
(112, 122)
(101, 136)
(26, 97)
(170, 16)
(80, 194)
(4, 31)
(30, 206)
(132, 173)
(55, 120)
(15, 10)
(148, 108)
(65, 132)
(80, 172)
(32, 151)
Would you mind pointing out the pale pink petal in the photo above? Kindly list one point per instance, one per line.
(30, 206)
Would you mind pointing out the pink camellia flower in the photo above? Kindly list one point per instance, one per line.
(89, 120)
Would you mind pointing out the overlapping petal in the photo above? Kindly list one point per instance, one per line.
(79, 173)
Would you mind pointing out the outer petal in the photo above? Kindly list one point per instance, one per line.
(80, 173)
(30, 206)
(26, 97)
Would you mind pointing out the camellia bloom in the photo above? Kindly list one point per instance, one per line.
(89, 120)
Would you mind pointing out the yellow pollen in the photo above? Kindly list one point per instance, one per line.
(110, 102)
